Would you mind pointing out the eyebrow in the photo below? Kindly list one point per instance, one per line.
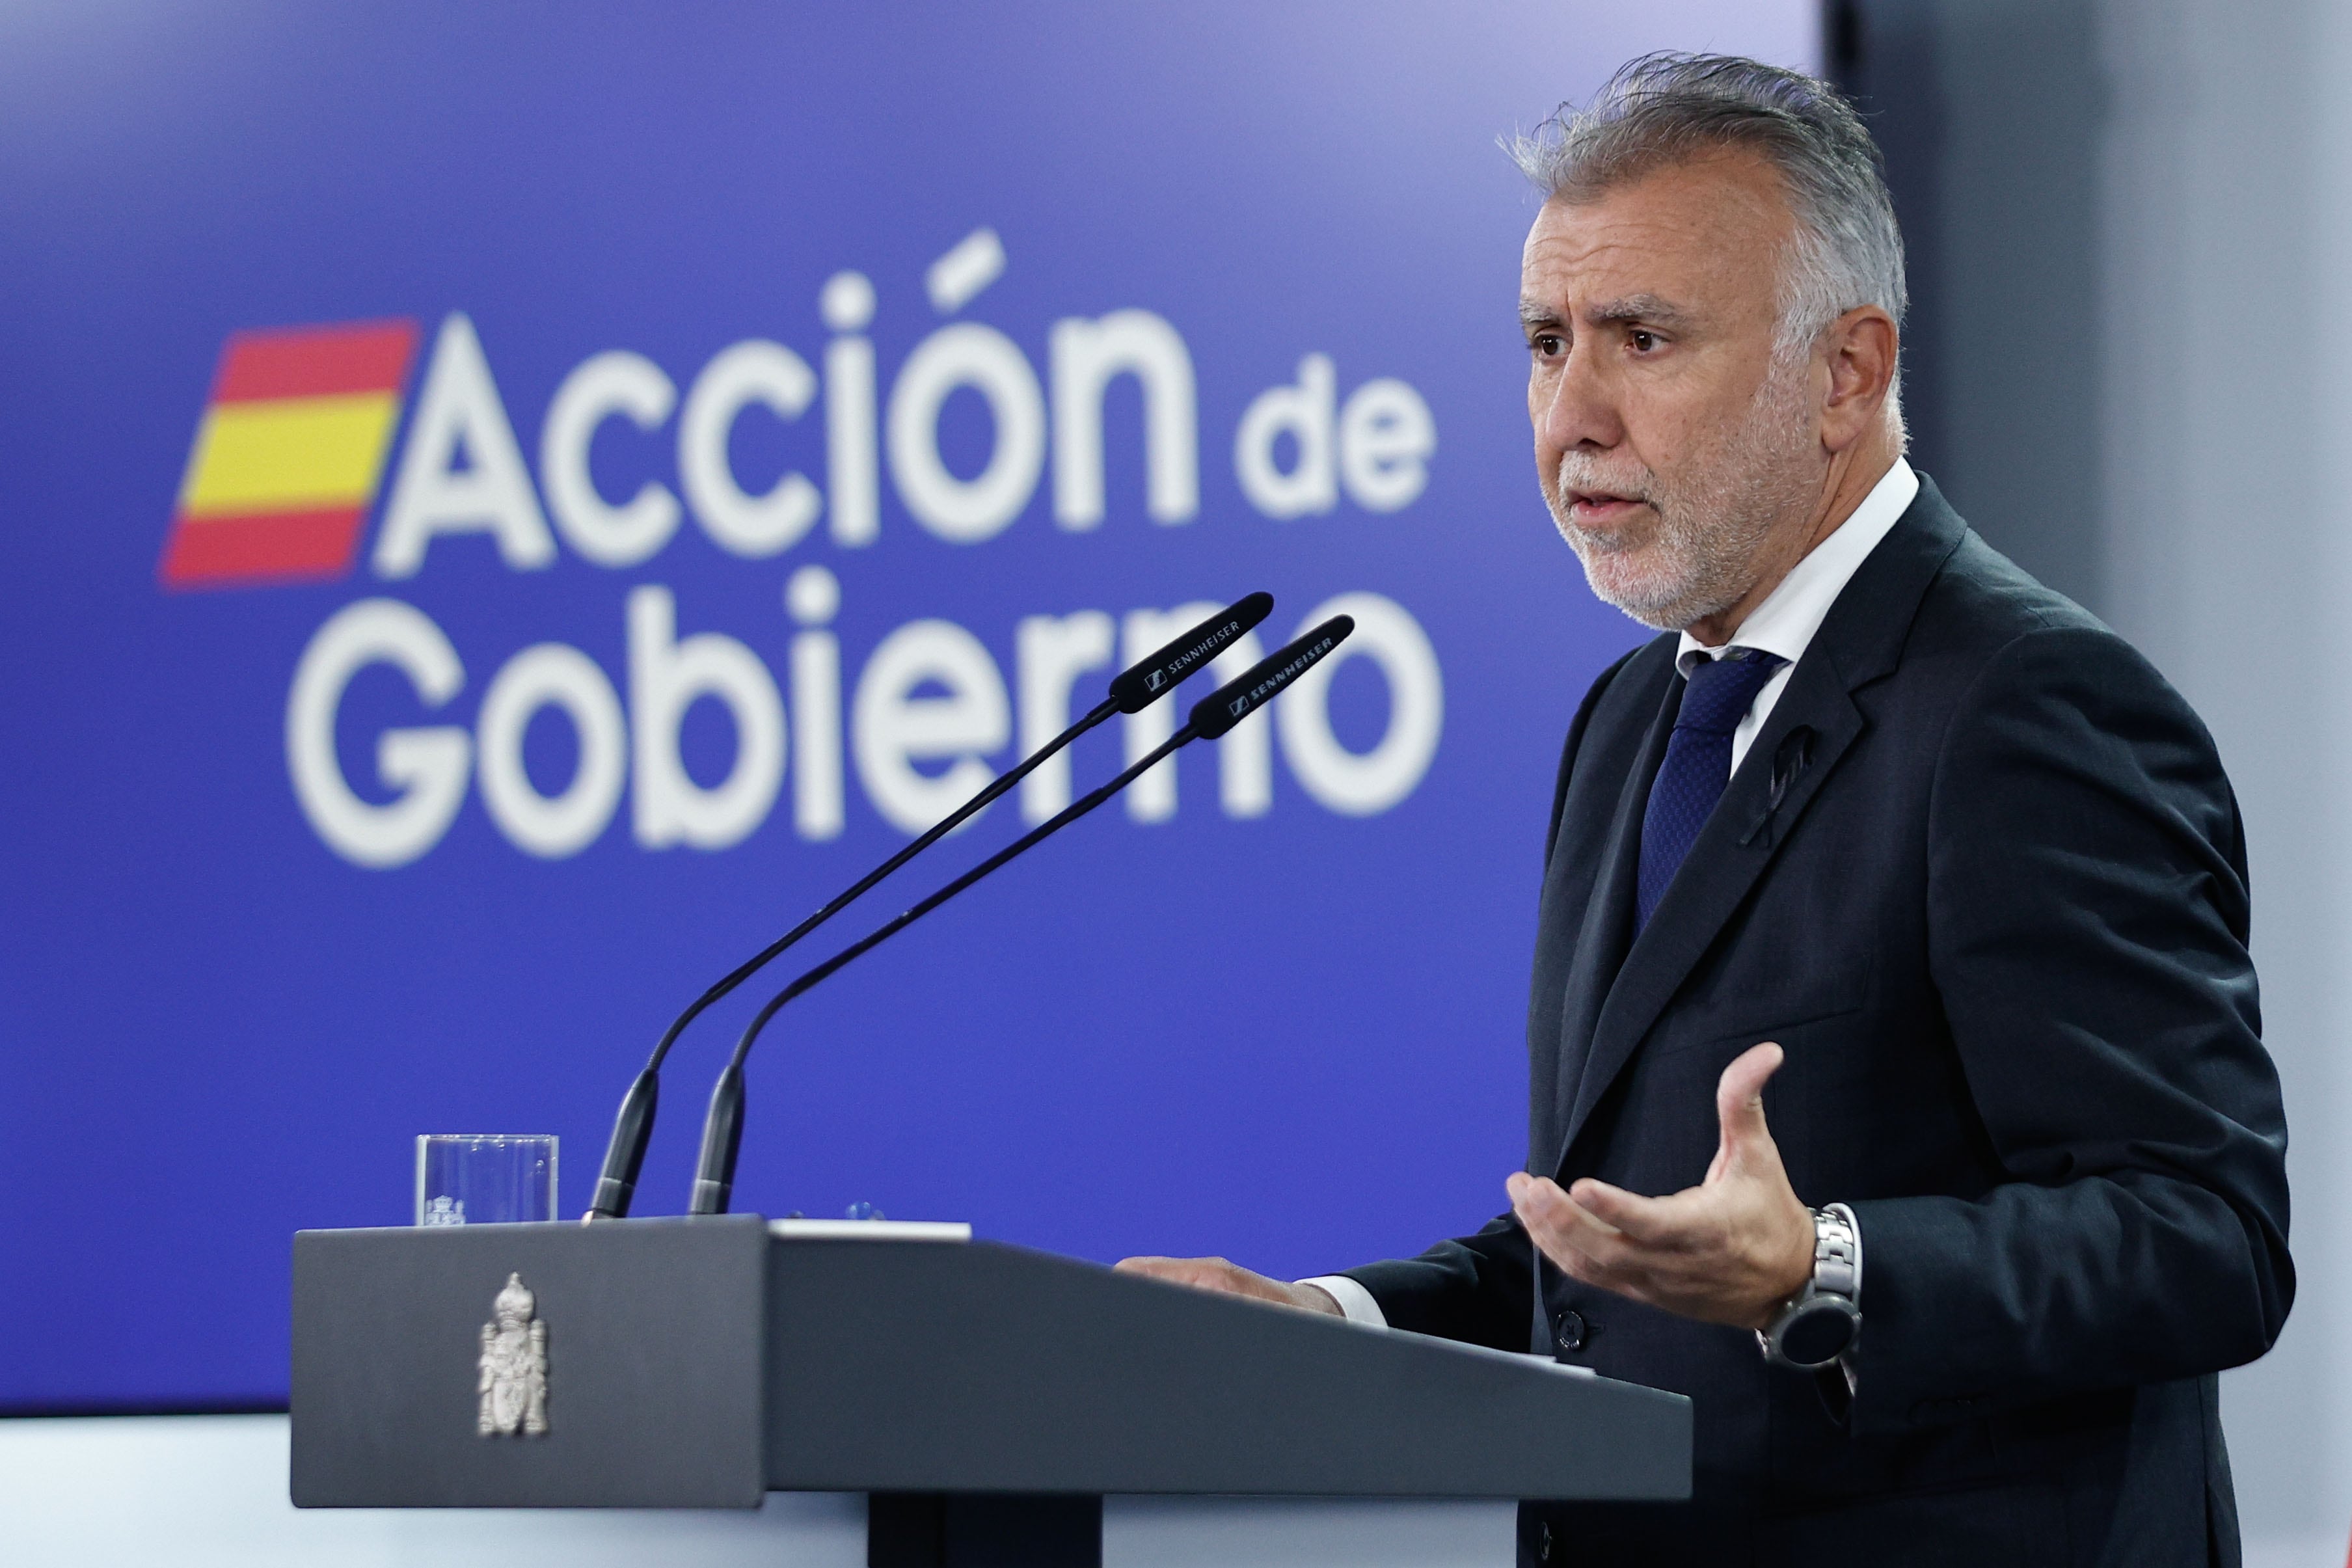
(1535, 313)
(1637, 307)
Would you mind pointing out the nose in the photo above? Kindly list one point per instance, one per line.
(1574, 403)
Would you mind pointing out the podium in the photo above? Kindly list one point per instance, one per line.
(985, 1396)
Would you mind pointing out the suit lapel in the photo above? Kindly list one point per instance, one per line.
(1608, 925)
(1860, 641)
(1720, 870)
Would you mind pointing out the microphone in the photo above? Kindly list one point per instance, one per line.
(1132, 691)
(1212, 716)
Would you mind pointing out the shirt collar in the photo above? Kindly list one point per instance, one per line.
(1784, 624)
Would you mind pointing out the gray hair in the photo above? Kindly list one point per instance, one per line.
(1663, 109)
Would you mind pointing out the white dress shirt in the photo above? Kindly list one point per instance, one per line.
(1784, 624)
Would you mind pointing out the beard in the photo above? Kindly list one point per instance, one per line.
(1712, 514)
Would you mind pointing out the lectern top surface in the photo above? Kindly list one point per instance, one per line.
(869, 1230)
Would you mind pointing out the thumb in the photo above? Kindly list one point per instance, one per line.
(1739, 1107)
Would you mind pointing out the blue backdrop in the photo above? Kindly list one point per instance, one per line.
(1280, 1020)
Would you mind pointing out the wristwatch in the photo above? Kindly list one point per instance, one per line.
(1820, 1322)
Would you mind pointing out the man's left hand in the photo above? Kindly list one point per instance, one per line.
(1731, 1250)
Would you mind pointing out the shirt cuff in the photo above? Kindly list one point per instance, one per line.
(1356, 1303)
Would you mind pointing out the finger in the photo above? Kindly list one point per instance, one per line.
(1539, 1201)
(1562, 1227)
(1579, 1244)
(1650, 1222)
(1201, 1273)
(1740, 1098)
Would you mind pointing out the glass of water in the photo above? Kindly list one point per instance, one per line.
(484, 1178)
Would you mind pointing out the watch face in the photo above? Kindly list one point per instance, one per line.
(1819, 1331)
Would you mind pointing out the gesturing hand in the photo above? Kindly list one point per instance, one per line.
(1729, 1250)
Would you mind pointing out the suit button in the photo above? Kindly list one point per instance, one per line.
(1570, 1330)
(1543, 1542)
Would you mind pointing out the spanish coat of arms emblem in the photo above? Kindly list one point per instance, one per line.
(513, 1381)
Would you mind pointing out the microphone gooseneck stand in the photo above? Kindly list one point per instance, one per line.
(1134, 689)
(1211, 717)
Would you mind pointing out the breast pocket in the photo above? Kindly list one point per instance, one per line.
(1820, 1032)
(1778, 1016)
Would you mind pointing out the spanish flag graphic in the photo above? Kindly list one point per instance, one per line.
(290, 453)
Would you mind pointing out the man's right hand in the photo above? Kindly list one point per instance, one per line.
(1232, 1279)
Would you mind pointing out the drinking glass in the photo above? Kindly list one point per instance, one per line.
(484, 1178)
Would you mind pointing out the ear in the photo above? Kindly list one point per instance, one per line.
(1860, 347)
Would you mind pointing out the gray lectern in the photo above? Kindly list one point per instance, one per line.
(984, 1397)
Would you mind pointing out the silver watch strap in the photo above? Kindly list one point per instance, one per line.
(1837, 1253)
(1837, 1270)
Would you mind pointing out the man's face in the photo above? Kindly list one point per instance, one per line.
(1670, 442)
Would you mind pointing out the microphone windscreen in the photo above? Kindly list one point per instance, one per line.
(1237, 699)
(1146, 683)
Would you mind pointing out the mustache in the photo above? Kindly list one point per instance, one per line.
(1585, 473)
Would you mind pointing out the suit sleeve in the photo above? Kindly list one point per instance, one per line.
(1478, 1288)
(1474, 1288)
(2087, 926)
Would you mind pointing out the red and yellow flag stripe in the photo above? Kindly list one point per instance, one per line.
(290, 453)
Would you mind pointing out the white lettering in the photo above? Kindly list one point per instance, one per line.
(966, 354)
(1385, 438)
(892, 728)
(1302, 412)
(852, 478)
(1339, 779)
(813, 594)
(458, 411)
(635, 388)
(754, 370)
(551, 675)
(955, 279)
(665, 676)
(1085, 357)
(427, 767)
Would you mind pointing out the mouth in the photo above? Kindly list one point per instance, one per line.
(1600, 510)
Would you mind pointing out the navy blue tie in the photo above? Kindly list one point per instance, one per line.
(1716, 697)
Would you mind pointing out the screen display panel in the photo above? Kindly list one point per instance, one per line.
(508, 509)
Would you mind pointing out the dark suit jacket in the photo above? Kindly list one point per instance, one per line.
(1982, 876)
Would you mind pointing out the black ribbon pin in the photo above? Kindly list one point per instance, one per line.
(1789, 759)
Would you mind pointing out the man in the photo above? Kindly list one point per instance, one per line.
(1896, 1085)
